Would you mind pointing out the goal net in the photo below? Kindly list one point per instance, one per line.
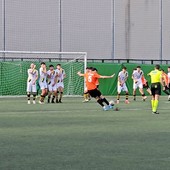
(14, 66)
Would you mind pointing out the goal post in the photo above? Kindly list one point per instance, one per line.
(14, 65)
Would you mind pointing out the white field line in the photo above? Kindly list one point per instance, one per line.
(68, 111)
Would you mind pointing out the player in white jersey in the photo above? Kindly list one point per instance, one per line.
(31, 82)
(61, 75)
(43, 82)
(121, 85)
(169, 81)
(52, 84)
(137, 82)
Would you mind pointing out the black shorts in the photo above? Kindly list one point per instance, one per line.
(156, 88)
(94, 93)
(146, 86)
(166, 88)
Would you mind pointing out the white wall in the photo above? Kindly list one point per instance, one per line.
(87, 25)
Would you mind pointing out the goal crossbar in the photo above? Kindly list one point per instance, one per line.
(42, 52)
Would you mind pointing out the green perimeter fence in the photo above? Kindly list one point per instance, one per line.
(13, 76)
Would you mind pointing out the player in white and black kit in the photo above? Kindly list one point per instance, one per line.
(169, 81)
(137, 82)
(121, 85)
(52, 83)
(61, 75)
(43, 82)
(31, 82)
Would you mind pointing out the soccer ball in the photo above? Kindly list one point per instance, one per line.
(112, 103)
(116, 109)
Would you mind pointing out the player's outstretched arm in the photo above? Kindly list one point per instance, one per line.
(106, 77)
(80, 74)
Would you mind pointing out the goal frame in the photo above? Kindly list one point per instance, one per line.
(3, 56)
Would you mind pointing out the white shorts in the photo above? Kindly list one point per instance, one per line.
(138, 84)
(31, 87)
(43, 85)
(122, 88)
(60, 84)
(52, 88)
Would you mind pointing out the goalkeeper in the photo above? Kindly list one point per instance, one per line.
(91, 78)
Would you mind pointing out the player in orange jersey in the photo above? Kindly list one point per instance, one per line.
(165, 83)
(97, 80)
(86, 94)
(91, 78)
(146, 85)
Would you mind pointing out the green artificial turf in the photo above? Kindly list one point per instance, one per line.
(80, 136)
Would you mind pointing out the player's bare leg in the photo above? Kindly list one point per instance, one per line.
(127, 97)
(103, 99)
(134, 94)
(34, 97)
(86, 97)
(57, 96)
(143, 94)
(49, 96)
(54, 96)
(61, 94)
(100, 101)
(42, 97)
(149, 91)
(118, 98)
(89, 97)
(28, 97)
(166, 90)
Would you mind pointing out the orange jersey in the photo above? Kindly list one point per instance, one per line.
(144, 80)
(91, 79)
(165, 78)
(97, 81)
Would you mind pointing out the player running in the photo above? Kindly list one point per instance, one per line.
(165, 78)
(31, 82)
(43, 82)
(146, 85)
(156, 81)
(61, 75)
(137, 82)
(91, 78)
(52, 83)
(121, 85)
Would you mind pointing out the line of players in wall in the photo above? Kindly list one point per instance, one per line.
(50, 82)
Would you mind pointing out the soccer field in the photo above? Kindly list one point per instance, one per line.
(80, 136)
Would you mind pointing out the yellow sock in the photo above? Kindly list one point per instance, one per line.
(118, 96)
(85, 96)
(152, 104)
(156, 105)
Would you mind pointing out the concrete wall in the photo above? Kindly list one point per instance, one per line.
(137, 29)
(87, 25)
